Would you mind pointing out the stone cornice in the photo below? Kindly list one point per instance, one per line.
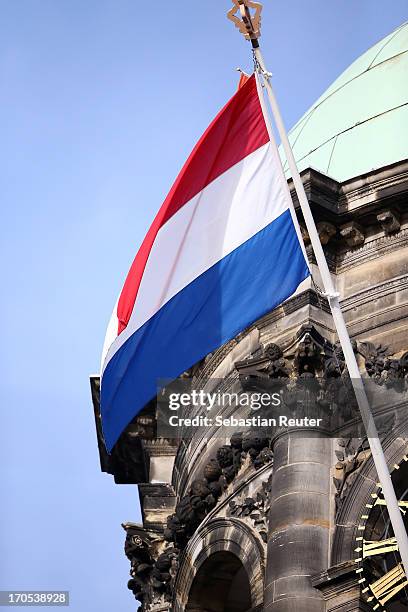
(370, 250)
(374, 188)
(360, 219)
(333, 200)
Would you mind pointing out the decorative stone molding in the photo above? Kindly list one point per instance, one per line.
(390, 221)
(221, 534)
(312, 356)
(384, 369)
(306, 357)
(369, 251)
(352, 454)
(256, 509)
(374, 189)
(152, 571)
(219, 472)
(379, 291)
(353, 234)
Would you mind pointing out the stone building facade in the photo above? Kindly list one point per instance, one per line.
(252, 522)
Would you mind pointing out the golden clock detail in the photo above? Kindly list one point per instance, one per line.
(379, 568)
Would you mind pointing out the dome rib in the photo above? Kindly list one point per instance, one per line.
(390, 39)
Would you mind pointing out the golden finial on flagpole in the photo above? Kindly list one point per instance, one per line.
(249, 24)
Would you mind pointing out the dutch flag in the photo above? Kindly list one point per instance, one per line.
(223, 250)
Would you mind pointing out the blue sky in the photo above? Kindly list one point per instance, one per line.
(99, 110)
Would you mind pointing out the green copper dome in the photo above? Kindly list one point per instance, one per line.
(361, 122)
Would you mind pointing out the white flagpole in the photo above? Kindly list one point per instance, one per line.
(333, 299)
(349, 356)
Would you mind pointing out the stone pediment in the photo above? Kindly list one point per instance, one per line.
(306, 355)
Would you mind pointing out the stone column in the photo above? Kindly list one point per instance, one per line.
(299, 521)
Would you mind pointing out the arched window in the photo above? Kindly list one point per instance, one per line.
(220, 585)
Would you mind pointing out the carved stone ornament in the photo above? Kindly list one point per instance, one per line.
(390, 221)
(326, 231)
(307, 360)
(152, 573)
(204, 492)
(353, 234)
(352, 454)
(255, 509)
(309, 357)
(383, 368)
(154, 561)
